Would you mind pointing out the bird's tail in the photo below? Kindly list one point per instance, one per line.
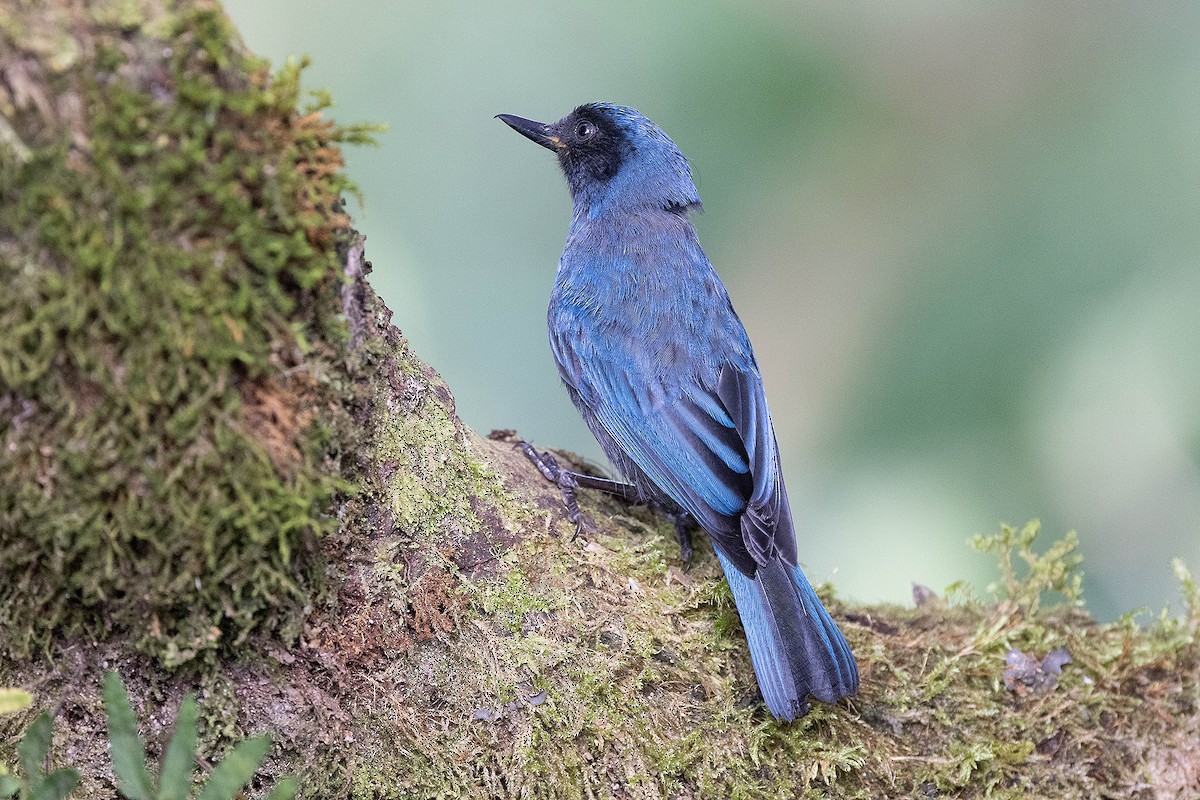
(795, 646)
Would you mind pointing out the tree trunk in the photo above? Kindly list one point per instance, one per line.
(223, 470)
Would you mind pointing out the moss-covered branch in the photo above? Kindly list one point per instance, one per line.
(225, 472)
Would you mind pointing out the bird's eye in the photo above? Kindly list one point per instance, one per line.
(585, 130)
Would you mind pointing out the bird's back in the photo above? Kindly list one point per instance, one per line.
(639, 293)
(636, 318)
(642, 330)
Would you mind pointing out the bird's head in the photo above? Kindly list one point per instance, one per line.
(614, 159)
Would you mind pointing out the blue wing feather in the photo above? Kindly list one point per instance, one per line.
(692, 419)
(660, 367)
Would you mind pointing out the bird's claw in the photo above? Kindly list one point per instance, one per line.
(563, 479)
(545, 463)
(683, 531)
(569, 483)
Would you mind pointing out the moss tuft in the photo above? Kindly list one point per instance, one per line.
(170, 314)
(599, 668)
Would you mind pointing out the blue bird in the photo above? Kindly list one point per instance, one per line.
(659, 365)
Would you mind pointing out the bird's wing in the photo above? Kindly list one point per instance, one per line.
(766, 524)
(710, 448)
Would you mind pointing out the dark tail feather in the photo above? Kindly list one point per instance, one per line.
(795, 646)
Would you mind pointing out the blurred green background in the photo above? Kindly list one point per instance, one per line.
(964, 238)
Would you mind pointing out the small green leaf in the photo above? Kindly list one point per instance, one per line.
(285, 789)
(9, 785)
(56, 785)
(175, 779)
(128, 755)
(236, 770)
(33, 748)
(14, 700)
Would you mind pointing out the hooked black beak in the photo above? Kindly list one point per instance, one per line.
(535, 131)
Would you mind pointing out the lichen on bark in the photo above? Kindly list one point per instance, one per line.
(226, 472)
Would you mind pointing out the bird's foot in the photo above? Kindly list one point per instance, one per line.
(570, 482)
(565, 480)
(683, 531)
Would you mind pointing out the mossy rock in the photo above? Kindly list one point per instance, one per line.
(170, 332)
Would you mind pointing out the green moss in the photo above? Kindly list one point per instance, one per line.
(509, 600)
(169, 319)
(1056, 570)
(648, 690)
(1190, 588)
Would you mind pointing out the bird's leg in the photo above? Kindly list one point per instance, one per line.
(548, 466)
(568, 482)
(626, 491)
(683, 531)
